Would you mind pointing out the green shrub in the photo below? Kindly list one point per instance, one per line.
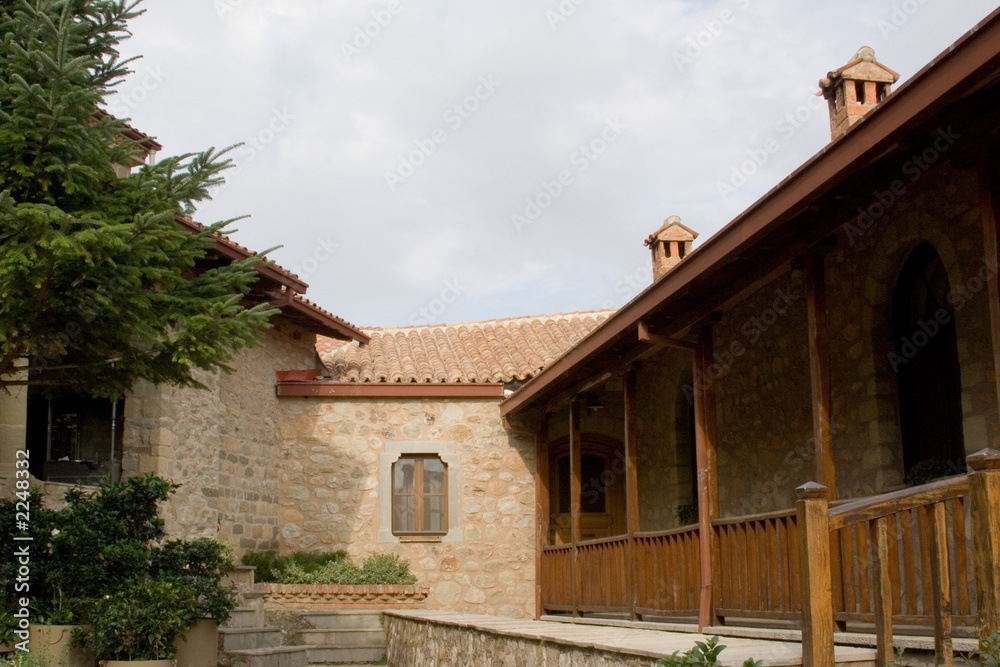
(704, 654)
(304, 567)
(273, 568)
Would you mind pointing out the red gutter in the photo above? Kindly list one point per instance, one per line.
(391, 389)
(917, 99)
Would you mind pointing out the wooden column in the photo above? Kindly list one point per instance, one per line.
(542, 511)
(708, 482)
(813, 514)
(984, 496)
(988, 202)
(819, 371)
(574, 495)
(631, 488)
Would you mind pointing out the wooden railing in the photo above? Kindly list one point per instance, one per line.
(604, 575)
(908, 518)
(666, 575)
(557, 578)
(668, 572)
(757, 561)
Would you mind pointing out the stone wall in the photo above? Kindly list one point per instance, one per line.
(220, 444)
(941, 208)
(325, 597)
(412, 642)
(764, 408)
(329, 469)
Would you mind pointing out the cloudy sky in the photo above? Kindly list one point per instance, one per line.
(440, 161)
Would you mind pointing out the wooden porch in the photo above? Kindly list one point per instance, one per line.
(922, 560)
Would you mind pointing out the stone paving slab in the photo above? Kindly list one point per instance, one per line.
(643, 642)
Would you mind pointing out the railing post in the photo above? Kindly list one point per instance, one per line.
(941, 585)
(813, 514)
(984, 496)
(882, 591)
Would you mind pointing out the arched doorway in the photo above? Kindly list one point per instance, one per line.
(602, 488)
(928, 374)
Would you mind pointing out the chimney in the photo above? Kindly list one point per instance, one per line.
(670, 244)
(855, 89)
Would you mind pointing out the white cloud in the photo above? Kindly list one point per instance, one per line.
(324, 174)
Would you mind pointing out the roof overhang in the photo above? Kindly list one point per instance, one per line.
(320, 388)
(778, 227)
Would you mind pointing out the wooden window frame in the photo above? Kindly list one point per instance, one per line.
(418, 496)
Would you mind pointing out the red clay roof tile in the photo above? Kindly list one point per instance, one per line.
(504, 350)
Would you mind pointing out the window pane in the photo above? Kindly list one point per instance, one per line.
(405, 515)
(592, 488)
(433, 476)
(564, 490)
(402, 476)
(434, 514)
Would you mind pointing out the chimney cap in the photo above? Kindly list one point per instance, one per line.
(862, 67)
(672, 230)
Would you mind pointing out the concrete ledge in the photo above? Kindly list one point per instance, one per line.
(440, 639)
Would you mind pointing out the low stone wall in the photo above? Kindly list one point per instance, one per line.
(423, 642)
(321, 597)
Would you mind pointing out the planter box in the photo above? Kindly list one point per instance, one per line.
(326, 597)
(52, 642)
(202, 646)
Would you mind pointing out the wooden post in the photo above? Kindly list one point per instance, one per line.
(819, 372)
(984, 496)
(941, 585)
(813, 513)
(574, 499)
(878, 531)
(708, 481)
(988, 202)
(541, 508)
(631, 488)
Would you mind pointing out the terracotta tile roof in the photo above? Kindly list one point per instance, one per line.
(503, 350)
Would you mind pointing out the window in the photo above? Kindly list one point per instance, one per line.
(418, 492)
(74, 439)
(419, 496)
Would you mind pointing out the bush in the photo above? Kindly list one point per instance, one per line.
(272, 568)
(303, 567)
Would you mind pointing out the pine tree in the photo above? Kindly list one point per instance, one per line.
(97, 285)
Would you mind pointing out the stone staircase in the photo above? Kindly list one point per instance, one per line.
(341, 638)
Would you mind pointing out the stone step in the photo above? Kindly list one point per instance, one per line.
(344, 655)
(349, 637)
(275, 656)
(246, 617)
(239, 639)
(347, 620)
